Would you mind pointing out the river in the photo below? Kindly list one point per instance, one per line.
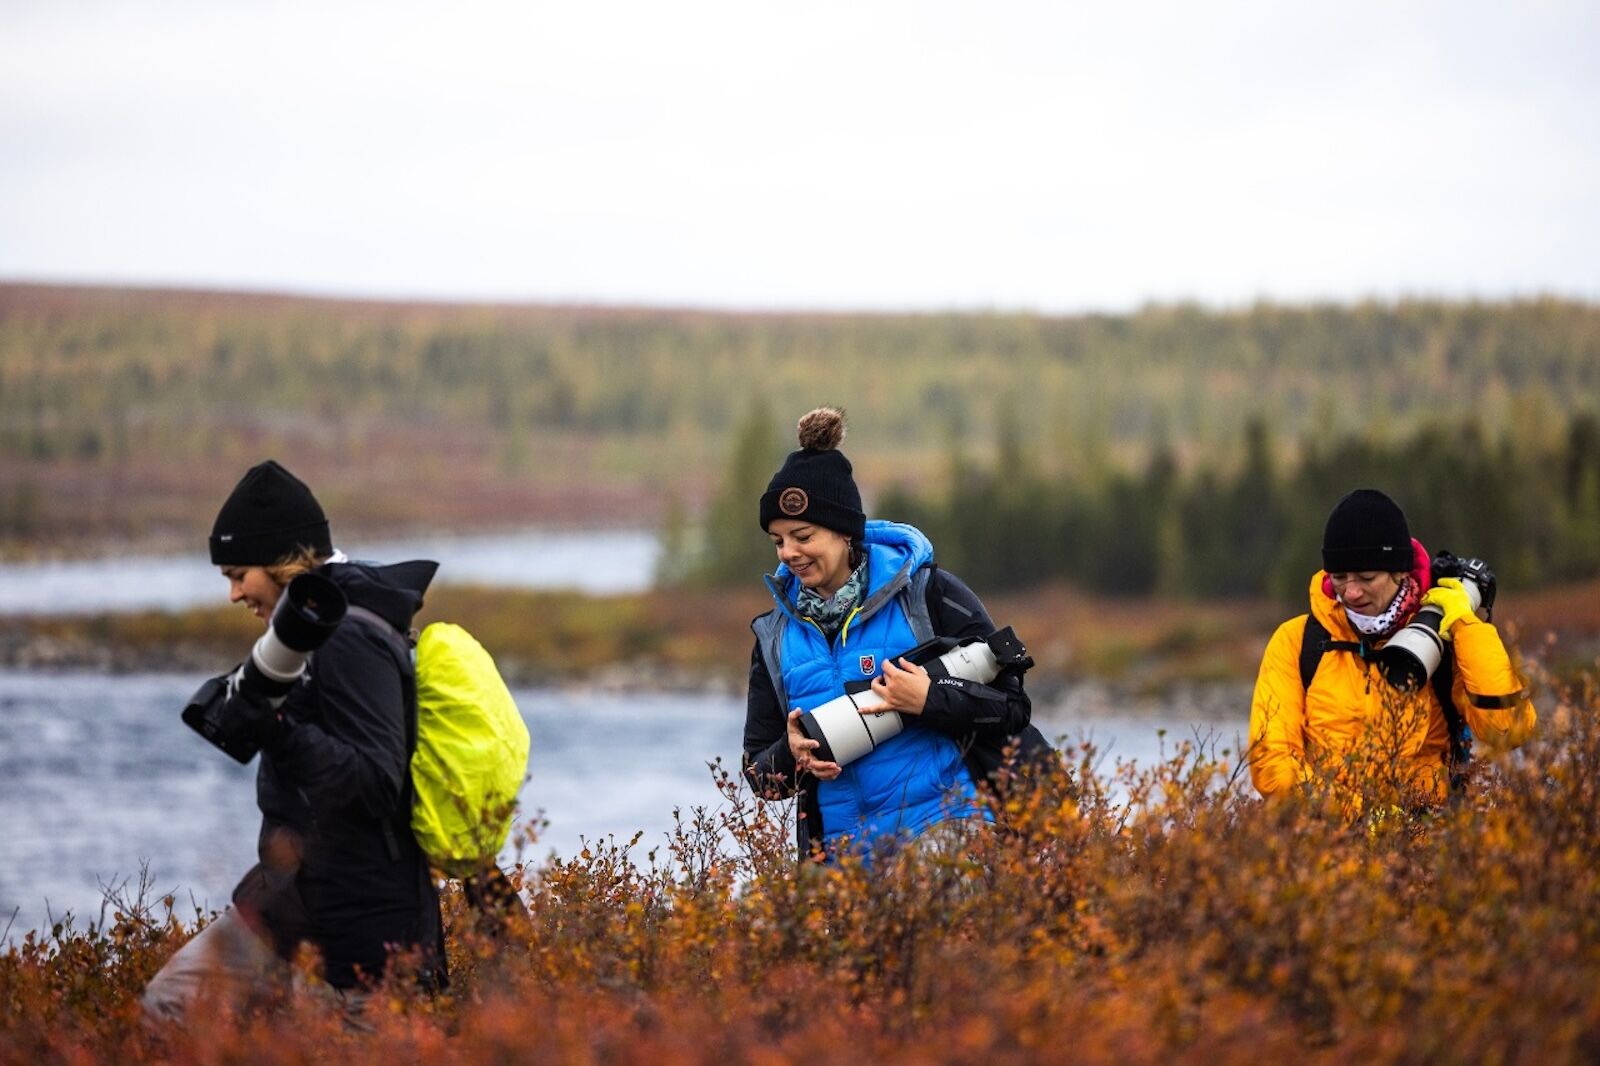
(99, 778)
(595, 561)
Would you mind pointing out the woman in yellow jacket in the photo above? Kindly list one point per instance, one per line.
(1349, 728)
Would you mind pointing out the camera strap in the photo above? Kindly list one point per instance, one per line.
(402, 644)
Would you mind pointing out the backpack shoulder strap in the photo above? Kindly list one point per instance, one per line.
(1317, 642)
(1444, 681)
(383, 625)
(915, 603)
(1311, 649)
(1454, 723)
(402, 644)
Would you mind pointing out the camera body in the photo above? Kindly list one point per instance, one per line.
(1411, 656)
(232, 711)
(845, 733)
(1470, 571)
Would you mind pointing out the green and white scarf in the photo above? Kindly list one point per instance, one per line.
(829, 613)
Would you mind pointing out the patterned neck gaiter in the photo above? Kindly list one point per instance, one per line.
(831, 612)
(1385, 625)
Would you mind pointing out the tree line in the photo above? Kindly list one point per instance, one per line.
(1529, 504)
(103, 374)
(125, 413)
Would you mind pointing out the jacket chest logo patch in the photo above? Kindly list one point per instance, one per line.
(869, 663)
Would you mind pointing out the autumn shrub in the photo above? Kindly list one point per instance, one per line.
(1113, 913)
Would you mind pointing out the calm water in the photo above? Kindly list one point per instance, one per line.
(603, 561)
(98, 776)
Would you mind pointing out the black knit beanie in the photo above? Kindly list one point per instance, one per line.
(1366, 531)
(269, 515)
(815, 484)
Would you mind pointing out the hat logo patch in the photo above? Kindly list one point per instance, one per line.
(868, 662)
(793, 502)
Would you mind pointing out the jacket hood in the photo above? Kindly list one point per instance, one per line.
(894, 551)
(894, 547)
(1329, 611)
(393, 592)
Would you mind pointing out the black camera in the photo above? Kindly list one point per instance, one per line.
(1414, 653)
(233, 710)
(1474, 570)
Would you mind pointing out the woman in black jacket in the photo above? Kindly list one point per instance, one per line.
(339, 867)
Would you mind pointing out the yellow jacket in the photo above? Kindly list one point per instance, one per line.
(1352, 729)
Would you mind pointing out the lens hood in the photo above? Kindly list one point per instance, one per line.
(308, 612)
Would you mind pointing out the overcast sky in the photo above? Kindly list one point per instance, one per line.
(1048, 156)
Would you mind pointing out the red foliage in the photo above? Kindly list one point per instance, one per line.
(1120, 914)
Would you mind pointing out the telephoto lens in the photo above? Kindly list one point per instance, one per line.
(230, 711)
(1414, 653)
(307, 613)
(846, 733)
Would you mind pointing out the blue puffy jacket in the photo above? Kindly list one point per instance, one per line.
(925, 774)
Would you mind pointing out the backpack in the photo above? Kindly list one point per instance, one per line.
(1317, 642)
(470, 756)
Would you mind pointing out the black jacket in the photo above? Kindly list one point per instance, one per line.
(335, 788)
(984, 720)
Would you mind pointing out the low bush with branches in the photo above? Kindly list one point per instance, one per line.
(1115, 913)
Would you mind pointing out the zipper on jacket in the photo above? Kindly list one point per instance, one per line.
(844, 630)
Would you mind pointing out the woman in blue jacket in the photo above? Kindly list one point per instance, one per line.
(850, 598)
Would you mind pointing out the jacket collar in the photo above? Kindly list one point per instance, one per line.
(894, 552)
(393, 592)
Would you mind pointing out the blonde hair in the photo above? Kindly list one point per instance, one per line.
(293, 565)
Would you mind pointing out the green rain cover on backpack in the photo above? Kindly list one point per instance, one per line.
(471, 755)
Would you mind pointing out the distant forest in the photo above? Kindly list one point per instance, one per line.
(126, 414)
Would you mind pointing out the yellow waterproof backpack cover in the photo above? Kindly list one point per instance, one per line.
(471, 756)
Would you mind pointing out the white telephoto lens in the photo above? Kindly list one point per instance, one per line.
(276, 659)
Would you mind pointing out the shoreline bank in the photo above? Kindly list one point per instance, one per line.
(689, 640)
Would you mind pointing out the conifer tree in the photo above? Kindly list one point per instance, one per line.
(736, 550)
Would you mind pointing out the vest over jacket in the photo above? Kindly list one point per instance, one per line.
(926, 773)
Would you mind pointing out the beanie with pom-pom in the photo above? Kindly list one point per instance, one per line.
(816, 484)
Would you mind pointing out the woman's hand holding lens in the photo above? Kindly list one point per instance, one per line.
(802, 748)
(903, 687)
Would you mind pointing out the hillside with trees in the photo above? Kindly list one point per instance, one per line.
(1172, 449)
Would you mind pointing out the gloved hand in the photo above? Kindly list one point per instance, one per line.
(253, 718)
(1449, 596)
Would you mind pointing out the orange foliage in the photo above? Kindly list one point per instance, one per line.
(1121, 914)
